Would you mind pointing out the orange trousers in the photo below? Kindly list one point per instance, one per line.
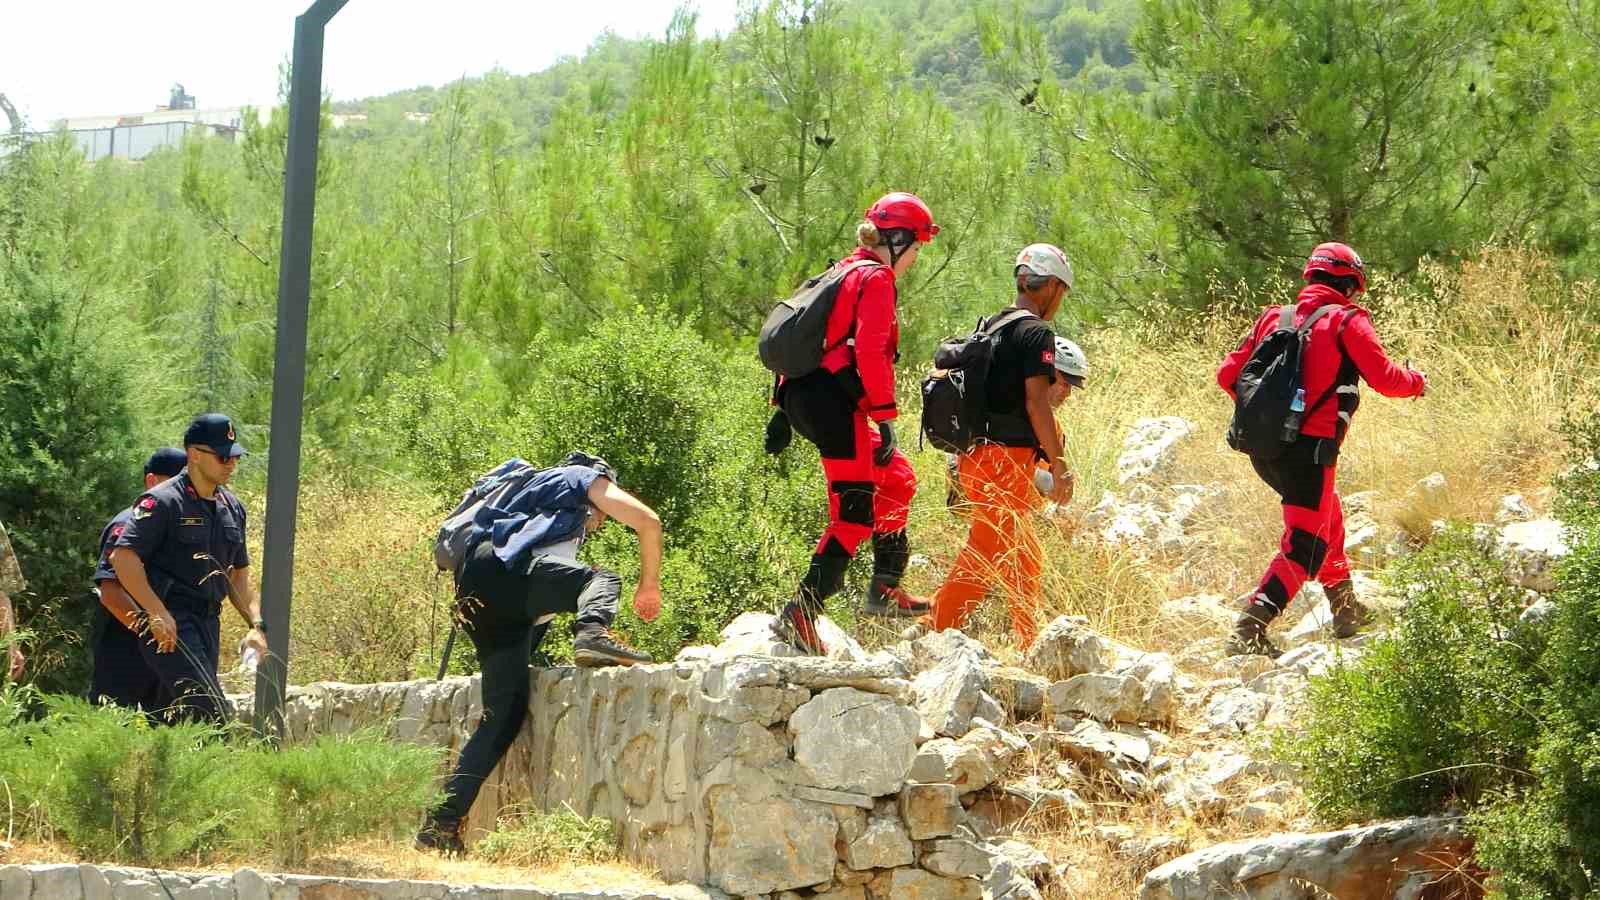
(1002, 545)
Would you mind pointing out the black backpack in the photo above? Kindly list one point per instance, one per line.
(792, 339)
(955, 409)
(1264, 420)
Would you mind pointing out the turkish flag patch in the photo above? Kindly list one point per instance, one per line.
(147, 503)
(1048, 357)
(116, 532)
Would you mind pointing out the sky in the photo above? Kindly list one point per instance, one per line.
(70, 58)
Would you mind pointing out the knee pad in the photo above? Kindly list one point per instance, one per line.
(1306, 550)
(855, 501)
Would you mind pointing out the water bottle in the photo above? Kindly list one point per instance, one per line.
(1291, 423)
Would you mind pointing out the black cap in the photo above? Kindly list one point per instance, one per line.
(213, 430)
(166, 462)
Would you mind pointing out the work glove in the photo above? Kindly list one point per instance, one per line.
(779, 432)
(885, 451)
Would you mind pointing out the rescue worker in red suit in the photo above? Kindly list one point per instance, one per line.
(1343, 350)
(845, 409)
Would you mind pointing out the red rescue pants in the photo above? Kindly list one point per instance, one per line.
(1001, 544)
(864, 498)
(1313, 524)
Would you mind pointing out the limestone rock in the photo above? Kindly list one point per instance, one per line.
(931, 810)
(1158, 679)
(972, 763)
(1237, 711)
(849, 740)
(1019, 692)
(1513, 508)
(1258, 814)
(1531, 551)
(949, 693)
(15, 881)
(758, 847)
(958, 858)
(1432, 490)
(1097, 749)
(1067, 647)
(1000, 809)
(915, 884)
(1108, 698)
(1378, 862)
(1243, 668)
(883, 845)
(1538, 613)
(1007, 881)
(935, 647)
(62, 881)
(1151, 447)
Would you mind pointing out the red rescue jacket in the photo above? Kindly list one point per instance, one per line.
(1326, 370)
(866, 301)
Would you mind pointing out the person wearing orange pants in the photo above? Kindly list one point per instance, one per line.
(1002, 545)
(1032, 372)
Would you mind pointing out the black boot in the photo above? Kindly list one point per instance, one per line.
(797, 622)
(1349, 614)
(1249, 636)
(441, 835)
(595, 646)
(891, 553)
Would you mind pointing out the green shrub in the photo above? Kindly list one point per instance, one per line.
(117, 788)
(67, 459)
(1439, 713)
(540, 839)
(309, 797)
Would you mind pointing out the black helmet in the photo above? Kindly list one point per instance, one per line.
(589, 460)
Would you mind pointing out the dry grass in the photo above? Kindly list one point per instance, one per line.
(382, 859)
(367, 606)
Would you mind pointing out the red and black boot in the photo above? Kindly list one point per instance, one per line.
(891, 553)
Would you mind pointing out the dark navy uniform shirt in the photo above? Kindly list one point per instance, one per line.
(170, 524)
(108, 539)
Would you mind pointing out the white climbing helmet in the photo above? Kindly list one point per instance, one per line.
(1071, 362)
(1045, 259)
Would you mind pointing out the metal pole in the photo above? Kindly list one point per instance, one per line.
(289, 363)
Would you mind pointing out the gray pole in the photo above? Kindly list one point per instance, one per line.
(289, 364)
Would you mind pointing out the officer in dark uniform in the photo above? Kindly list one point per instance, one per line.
(121, 676)
(181, 552)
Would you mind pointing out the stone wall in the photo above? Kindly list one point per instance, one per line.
(751, 774)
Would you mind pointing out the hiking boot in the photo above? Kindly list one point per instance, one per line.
(797, 627)
(893, 603)
(441, 836)
(1349, 614)
(596, 646)
(1249, 636)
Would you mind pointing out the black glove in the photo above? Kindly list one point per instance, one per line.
(886, 449)
(779, 434)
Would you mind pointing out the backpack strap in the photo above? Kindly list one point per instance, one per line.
(1286, 317)
(861, 289)
(1319, 312)
(1005, 318)
(1338, 344)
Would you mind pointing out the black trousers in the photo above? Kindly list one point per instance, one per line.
(505, 615)
(121, 675)
(188, 675)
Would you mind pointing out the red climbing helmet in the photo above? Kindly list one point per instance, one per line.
(1337, 259)
(903, 210)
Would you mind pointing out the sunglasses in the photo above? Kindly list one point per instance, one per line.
(220, 457)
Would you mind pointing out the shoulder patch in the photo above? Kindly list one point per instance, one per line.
(1048, 356)
(116, 530)
(147, 502)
